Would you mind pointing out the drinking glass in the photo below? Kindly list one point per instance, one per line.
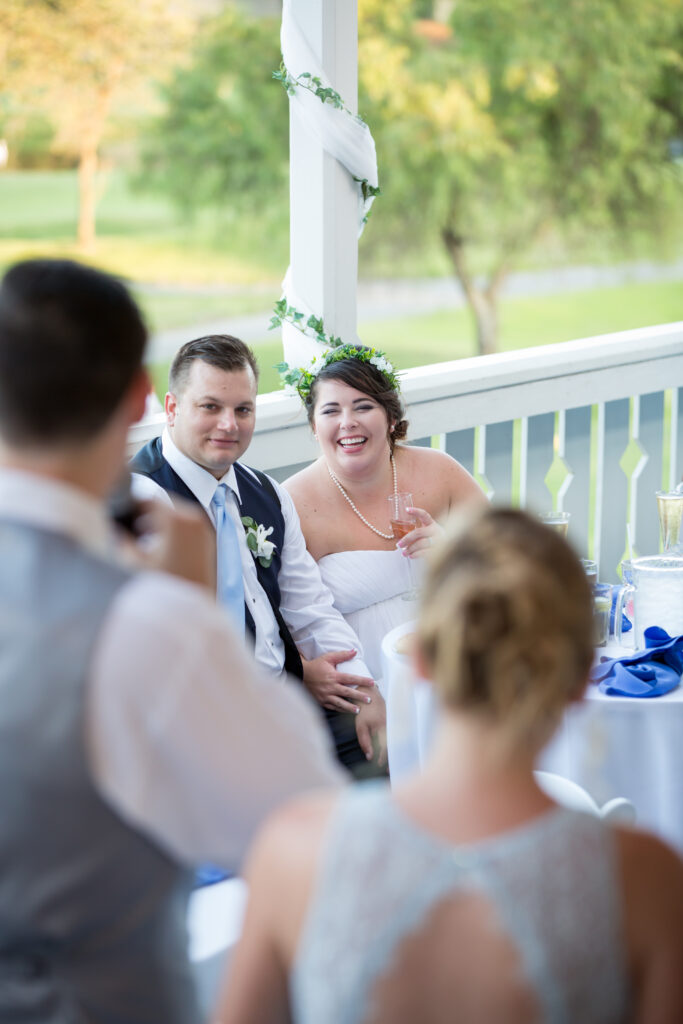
(556, 521)
(402, 522)
(670, 509)
(602, 607)
(591, 570)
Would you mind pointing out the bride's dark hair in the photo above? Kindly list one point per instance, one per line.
(372, 382)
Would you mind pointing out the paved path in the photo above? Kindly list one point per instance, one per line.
(381, 300)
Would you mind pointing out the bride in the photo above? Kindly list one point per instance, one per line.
(355, 409)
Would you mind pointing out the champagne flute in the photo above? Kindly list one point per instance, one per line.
(402, 523)
(670, 509)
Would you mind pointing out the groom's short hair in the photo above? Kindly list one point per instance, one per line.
(71, 342)
(220, 350)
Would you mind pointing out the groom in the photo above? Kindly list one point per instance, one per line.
(278, 596)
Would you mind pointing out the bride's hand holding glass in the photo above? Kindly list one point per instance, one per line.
(423, 535)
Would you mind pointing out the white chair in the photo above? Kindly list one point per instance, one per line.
(570, 794)
(214, 923)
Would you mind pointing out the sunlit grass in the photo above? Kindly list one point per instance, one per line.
(544, 320)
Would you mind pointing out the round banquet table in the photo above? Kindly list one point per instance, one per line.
(612, 746)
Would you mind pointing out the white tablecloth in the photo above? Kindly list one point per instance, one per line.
(612, 746)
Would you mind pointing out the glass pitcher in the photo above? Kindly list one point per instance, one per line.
(657, 589)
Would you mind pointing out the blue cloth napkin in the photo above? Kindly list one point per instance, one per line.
(207, 874)
(648, 673)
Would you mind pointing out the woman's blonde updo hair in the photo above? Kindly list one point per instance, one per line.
(506, 623)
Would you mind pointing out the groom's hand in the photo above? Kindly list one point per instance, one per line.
(338, 691)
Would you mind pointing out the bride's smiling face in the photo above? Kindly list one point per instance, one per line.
(351, 427)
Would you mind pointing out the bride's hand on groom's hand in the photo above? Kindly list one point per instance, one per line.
(338, 691)
(416, 543)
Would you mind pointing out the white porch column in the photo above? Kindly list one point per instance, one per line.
(323, 197)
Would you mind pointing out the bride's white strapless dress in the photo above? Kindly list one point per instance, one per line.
(367, 587)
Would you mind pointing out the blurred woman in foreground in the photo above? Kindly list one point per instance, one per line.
(466, 893)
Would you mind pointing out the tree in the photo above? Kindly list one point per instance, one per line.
(500, 122)
(223, 135)
(70, 58)
(522, 115)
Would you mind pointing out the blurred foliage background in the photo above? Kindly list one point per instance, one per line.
(148, 137)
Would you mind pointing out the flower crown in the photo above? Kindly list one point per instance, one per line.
(300, 378)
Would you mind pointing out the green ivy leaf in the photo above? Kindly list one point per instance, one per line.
(251, 542)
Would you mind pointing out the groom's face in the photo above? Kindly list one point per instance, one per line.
(211, 420)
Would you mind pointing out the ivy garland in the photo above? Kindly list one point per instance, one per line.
(314, 325)
(326, 94)
(300, 378)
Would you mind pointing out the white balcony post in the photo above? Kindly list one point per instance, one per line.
(323, 198)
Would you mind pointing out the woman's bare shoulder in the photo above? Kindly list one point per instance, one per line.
(645, 857)
(652, 886)
(304, 487)
(432, 467)
(292, 835)
(652, 897)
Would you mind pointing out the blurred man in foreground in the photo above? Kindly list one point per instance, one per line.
(136, 737)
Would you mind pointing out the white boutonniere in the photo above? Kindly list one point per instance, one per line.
(257, 540)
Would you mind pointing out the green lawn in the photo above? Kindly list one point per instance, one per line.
(186, 308)
(218, 266)
(140, 237)
(544, 320)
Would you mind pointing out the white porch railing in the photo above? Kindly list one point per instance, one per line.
(593, 427)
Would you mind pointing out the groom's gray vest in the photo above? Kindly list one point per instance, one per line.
(92, 914)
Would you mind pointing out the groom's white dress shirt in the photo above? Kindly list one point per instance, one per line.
(306, 603)
(186, 738)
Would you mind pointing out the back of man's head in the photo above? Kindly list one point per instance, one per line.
(220, 350)
(71, 342)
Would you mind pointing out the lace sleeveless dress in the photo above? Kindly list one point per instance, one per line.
(367, 587)
(552, 885)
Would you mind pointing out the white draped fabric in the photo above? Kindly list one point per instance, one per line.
(341, 134)
(367, 587)
(612, 746)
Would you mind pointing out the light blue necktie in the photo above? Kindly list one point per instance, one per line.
(230, 587)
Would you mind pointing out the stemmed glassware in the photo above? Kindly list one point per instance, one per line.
(402, 523)
(670, 510)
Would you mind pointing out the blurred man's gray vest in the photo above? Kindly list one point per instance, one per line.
(92, 914)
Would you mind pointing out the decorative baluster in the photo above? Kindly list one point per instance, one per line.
(499, 460)
(541, 434)
(668, 441)
(520, 447)
(649, 480)
(676, 472)
(559, 475)
(615, 485)
(596, 471)
(632, 463)
(576, 453)
(480, 461)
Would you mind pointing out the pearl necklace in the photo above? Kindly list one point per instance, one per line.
(386, 536)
